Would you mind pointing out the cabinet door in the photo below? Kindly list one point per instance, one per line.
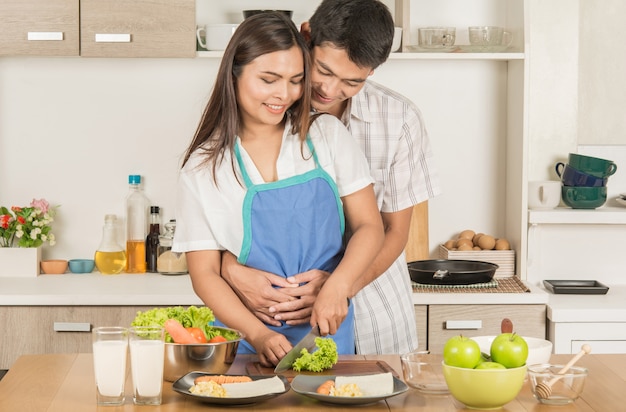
(31, 329)
(445, 321)
(39, 27)
(138, 28)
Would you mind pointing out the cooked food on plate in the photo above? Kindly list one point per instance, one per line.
(379, 384)
(225, 386)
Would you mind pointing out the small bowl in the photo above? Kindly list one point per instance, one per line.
(54, 266)
(248, 13)
(565, 390)
(426, 377)
(539, 350)
(81, 265)
(180, 359)
(484, 388)
(581, 197)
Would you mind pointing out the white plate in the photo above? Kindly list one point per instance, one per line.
(621, 201)
(183, 384)
(307, 385)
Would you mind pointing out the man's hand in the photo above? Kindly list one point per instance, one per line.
(256, 288)
(297, 312)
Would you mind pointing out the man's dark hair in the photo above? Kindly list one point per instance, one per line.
(363, 28)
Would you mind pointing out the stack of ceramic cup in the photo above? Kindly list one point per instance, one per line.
(584, 180)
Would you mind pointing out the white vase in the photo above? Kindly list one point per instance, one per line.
(19, 262)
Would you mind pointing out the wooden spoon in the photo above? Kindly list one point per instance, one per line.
(543, 390)
(506, 326)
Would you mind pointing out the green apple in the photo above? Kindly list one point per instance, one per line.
(510, 350)
(462, 352)
(490, 365)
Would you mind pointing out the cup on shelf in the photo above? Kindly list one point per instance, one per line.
(215, 36)
(594, 166)
(110, 345)
(489, 37)
(582, 197)
(573, 177)
(544, 194)
(147, 360)
(436, 37)
(397, 39)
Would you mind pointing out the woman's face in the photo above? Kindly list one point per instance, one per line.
(269, 85)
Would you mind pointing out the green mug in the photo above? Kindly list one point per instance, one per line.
(583, 197)
(593, 166)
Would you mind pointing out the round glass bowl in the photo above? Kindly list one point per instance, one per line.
(423, 374)
(564, 390)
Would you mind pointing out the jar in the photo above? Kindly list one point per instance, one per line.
(168, 262)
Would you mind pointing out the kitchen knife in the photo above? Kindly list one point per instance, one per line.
(308, 342)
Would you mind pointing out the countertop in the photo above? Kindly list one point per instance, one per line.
(65, 382)
(156, 289)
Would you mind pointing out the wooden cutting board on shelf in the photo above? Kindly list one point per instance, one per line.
(341, 368)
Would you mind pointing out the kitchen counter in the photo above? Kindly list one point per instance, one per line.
(589, 308)
(65, 382)
(156, 289)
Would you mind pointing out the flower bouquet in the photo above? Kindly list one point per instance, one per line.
(27, 227)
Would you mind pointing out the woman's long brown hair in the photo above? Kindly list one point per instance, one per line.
(257, 35)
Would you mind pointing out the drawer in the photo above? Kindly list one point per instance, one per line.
(445, 321)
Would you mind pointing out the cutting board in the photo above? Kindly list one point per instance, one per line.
(341, 368)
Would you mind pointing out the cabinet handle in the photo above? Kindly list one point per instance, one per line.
(112, 38)
(45, 35)
(464, 324)
(72, 327)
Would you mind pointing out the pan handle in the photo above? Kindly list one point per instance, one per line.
(441, 274)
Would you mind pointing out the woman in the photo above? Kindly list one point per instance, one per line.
(263, 181)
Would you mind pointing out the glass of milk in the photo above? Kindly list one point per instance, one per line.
(147, 355)
(110, 346)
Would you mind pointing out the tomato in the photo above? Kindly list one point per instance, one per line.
(198, 334)
(218, 339)
(462, 352)
(509, 349)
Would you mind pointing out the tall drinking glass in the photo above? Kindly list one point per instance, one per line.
(147, 356)
(110, 346)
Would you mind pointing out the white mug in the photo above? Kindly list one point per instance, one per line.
(545, 194)
(215, 36)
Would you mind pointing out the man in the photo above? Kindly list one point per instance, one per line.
(348, 40)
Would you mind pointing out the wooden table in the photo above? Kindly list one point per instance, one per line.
(65, 383)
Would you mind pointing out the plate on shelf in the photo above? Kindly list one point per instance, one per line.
(576, 287)
(307, 385)
(183, 384)
(482, 49)
(419, 49)
(621, 200)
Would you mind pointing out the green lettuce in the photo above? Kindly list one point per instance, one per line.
(324, 357)
(191, 317)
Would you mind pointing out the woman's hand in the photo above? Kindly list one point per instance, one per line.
(271, 347)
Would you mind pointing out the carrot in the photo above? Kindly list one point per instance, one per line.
(220, 379)
(178, 333)
(324, 388)
(217, 339)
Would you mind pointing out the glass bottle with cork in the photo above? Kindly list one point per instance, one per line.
(152, 240)
(136, 226)
(110, 256)
(168, 262)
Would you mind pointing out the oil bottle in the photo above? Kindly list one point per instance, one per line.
(152, 240)
(110, 256)
(136, 224)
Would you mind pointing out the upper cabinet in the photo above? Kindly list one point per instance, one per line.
(39, 28)
(138, 28)
(108, 28)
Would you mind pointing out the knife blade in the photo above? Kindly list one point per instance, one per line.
(308, 342)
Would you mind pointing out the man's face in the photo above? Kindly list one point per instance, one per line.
(335, 79)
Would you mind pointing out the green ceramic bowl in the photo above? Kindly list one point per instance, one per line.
(484, 388)
(582, 197)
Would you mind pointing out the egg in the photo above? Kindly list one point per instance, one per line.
(450, 244)
(465, 246)
(464, 242)
(467, 234)
(486, 242)
(502, 244)
(476, 237)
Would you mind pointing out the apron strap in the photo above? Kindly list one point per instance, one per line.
(244, 172)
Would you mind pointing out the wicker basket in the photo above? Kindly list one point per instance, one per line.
(505, 259)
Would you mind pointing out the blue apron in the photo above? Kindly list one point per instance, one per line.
(291, 226)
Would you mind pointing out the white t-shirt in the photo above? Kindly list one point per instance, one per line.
(209, 216)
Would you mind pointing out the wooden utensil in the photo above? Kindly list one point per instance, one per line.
(544, 389)
(506, 326)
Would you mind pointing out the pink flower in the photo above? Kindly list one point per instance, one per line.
(40, 204)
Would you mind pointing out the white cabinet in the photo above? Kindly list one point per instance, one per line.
(602, 337)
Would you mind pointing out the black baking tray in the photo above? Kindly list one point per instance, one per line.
(576, 287)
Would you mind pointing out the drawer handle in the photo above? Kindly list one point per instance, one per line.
(464, 324)
(45, 35)
(72, 327)
(112, 38)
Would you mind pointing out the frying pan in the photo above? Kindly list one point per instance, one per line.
(451, 271)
